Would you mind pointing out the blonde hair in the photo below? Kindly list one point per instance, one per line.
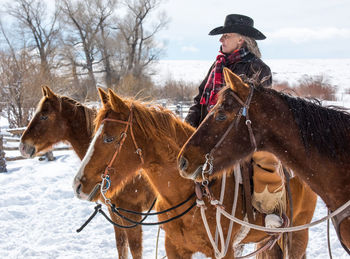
(251, 45)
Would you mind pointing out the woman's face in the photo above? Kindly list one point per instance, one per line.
(231, 42)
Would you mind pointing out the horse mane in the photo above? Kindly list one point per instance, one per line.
(323, 127)
(154, 121)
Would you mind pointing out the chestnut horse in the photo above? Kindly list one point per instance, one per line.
(59, 118)
(123, 126)
(310, 139)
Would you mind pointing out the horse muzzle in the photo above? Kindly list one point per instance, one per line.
(27, 151)
(183, 166)
(78, 190)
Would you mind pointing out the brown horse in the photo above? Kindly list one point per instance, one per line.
(310, 139)
(123, 126)
(59, 118)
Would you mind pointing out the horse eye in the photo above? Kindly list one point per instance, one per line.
(43, 117)
(107, 139)
(221, 117)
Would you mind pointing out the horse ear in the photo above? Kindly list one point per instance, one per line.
(47, 92)
(233, 80)
(103, 96)
(43, 89)
(116, 102)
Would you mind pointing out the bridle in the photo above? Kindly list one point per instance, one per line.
(106, 182)
(243, 111)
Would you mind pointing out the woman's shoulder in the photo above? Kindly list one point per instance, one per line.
(255, 60)
(257, 63)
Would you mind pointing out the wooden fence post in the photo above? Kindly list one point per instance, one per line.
(2, 156)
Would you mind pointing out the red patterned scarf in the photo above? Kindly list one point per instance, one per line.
(216, 78)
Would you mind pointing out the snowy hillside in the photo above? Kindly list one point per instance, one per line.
(289, 70)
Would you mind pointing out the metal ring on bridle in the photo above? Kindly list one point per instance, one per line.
(208, 161)
(105, 181)
(103, 189)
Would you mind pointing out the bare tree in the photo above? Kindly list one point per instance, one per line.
(32, 15)
(105, 40)
(19, 85)
(139, 35)
(84, 20)
(68, 57)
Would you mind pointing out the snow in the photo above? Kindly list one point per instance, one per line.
(39, 213)
(289, 70)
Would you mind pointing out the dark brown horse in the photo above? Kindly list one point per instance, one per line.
(124, 126)
(310, 139)
(60, 118)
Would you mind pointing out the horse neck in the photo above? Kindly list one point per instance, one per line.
(161, 167)
(280, 136)
(166, 181)
(78, 134)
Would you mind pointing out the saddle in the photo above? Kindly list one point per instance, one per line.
(269, 192)
(263, 183)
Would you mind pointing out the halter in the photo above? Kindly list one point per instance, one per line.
(106, 182)
(242, 112)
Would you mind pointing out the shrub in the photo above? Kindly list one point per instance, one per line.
(316, 87)
(177, 90)
(284, 87)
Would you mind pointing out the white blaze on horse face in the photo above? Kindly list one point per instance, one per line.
(87, 156)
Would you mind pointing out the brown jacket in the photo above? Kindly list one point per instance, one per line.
(249, 66)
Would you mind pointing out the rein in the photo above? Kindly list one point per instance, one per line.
(207, 169)
(98, 208)
(106, 183)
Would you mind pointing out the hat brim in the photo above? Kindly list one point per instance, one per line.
(241, 29)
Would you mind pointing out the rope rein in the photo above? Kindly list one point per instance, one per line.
(207, 169)
(209, 163)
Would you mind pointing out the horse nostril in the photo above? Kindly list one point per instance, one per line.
(26, 150)
(183, 163)
(78, 189)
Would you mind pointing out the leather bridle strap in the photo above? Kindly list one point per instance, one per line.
(242, 112)
(121, 142)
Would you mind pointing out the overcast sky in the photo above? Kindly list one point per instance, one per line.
(294, 28)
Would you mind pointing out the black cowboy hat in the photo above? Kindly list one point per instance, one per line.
(239, 24)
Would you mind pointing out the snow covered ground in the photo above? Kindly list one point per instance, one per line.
(39, 214)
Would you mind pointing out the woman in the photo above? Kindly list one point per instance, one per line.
(238, 52)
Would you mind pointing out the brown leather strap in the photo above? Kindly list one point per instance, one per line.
(246, 176)
(289, 235)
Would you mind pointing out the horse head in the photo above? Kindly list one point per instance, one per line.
(46, 127)
(222, 139)
(111, 159)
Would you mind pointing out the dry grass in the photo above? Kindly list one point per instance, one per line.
(309, 87)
